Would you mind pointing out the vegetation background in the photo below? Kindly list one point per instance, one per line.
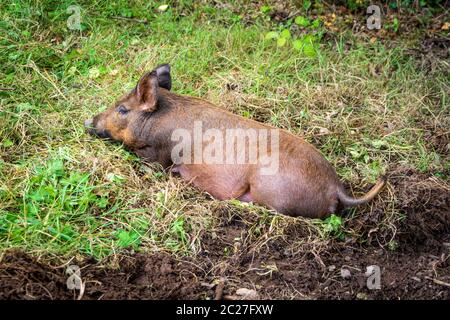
(373, 101)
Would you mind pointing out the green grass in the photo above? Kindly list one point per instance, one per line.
(64, 192)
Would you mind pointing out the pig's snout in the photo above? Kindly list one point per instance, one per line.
(88, 124)
(93, 129)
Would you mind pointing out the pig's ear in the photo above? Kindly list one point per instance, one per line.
(147, 91)
(164, 79)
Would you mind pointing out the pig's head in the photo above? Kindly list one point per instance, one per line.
(117, 122)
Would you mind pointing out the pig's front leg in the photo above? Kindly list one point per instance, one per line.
(152, 154)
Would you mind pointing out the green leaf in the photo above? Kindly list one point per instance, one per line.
(178, 228)
(126, 239)
(333, 223)
(306, 4)
(309, 39)
(125, 12)
(316, 23)
(7, 143)
(281, 42)
(297, 44)
(309, 50)
(286, 34)
(56, 168)
(355, 154)
(25, 106)
(395, 24)
(102, 203)
(366, 158)
(246, 114)
(302, 21)
(271, 35)
(266, 9)
(379, 143)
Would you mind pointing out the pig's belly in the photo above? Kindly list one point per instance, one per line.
(221, 181)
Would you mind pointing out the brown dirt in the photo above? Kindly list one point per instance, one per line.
(413, 253)
(282, 267)
(432, 54)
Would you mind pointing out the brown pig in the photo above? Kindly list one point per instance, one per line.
(192, 137)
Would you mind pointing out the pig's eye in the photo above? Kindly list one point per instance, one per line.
(122, 109)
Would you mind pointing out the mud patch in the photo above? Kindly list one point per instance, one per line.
(271, 274)
(425, 202)
(295, 262)
(287, 268)
(21, 277)
(432, 54)
(157, 276)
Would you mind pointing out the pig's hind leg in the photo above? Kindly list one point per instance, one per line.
(246, 197)
(220, 186)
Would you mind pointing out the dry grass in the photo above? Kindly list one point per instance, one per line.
(365, 122)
